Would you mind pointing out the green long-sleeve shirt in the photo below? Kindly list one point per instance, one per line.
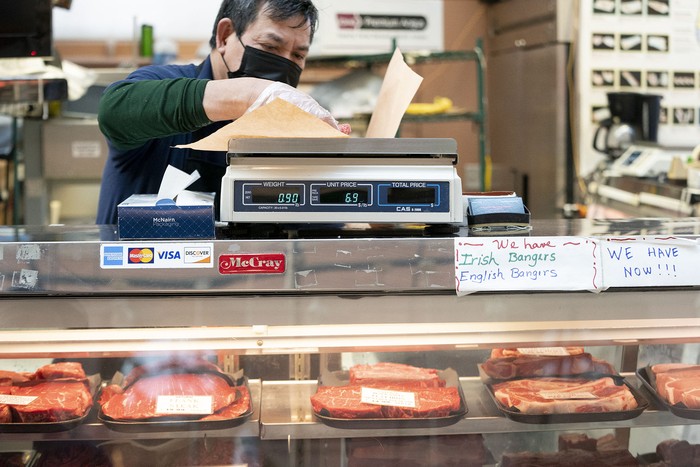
(134, 112)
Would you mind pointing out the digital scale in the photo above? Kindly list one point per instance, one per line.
(647, 160)
(342, 180)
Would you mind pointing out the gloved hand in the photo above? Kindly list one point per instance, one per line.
(296, 97)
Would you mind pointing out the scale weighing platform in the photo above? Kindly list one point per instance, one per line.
(342, 180)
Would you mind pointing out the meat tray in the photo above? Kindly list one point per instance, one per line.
(178, 423)
(518, 416)
(341, 378)
(646, 376)
(54, 427)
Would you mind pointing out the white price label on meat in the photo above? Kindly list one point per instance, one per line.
(386, 397)
(559, 395)
(543, 351)
(184, 405)
(16, 400)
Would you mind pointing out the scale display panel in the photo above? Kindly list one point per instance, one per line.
(326, 196)
(342, 180)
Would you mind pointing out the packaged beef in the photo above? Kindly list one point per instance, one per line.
(425, 387)
(564, 395)
(678, 383)
(346, 402)
(418, 451)
(61, 393)
(518, 352)
(175, 390)
(395, 373)
(575, 449)
(56, 401)
(62, 370)
(519, 365)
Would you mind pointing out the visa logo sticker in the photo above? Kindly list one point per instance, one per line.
(154, 255)
(263, 263)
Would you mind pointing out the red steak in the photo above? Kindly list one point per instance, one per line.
(548, 395)
(56, 401)
(239, 407)
(405, 375)
(139, 400)
(62, 370)
(11, 377)
(345, 402)
(538, 365)
(678, 383)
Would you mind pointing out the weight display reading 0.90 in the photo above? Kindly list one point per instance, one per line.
(289, 194)
(333, 195)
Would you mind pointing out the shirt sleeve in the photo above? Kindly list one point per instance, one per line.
(134, 112)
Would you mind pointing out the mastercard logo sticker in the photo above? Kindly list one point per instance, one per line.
(141, 255)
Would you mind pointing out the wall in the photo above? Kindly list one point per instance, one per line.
(105, 20)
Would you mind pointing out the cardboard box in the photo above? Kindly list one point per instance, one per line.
(146, 217)
(360, 27)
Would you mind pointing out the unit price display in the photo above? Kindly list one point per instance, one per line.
(343, 196)
(276, 194)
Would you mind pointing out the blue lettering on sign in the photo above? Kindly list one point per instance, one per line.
(168, 255)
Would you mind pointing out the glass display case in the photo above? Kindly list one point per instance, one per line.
(80, 294)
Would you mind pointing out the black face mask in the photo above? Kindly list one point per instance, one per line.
(257, 63)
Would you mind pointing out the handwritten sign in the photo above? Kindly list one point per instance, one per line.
(527, 263)
(650, 261)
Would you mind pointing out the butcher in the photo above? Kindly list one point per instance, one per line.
(258, 51)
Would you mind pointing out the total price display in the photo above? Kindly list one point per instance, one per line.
(411, 195)
(287, 194)
(333, 195)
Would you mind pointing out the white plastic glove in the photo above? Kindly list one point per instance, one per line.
(296, 97)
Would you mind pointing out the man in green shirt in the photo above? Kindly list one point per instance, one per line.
(259, 49)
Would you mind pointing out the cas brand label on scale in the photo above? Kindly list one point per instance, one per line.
(157, 255)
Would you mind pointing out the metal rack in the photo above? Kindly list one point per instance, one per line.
(415, 58)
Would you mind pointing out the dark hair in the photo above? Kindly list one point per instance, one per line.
(243, 13)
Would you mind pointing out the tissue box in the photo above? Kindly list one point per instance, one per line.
(145, 216)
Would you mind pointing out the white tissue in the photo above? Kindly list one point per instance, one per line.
(174, 184)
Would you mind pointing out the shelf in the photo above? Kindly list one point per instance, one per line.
(283, 411)
(411, 58)
(276, 324)
(94, 430)
(287, 412)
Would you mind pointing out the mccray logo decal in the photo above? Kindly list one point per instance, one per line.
(264, 263)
